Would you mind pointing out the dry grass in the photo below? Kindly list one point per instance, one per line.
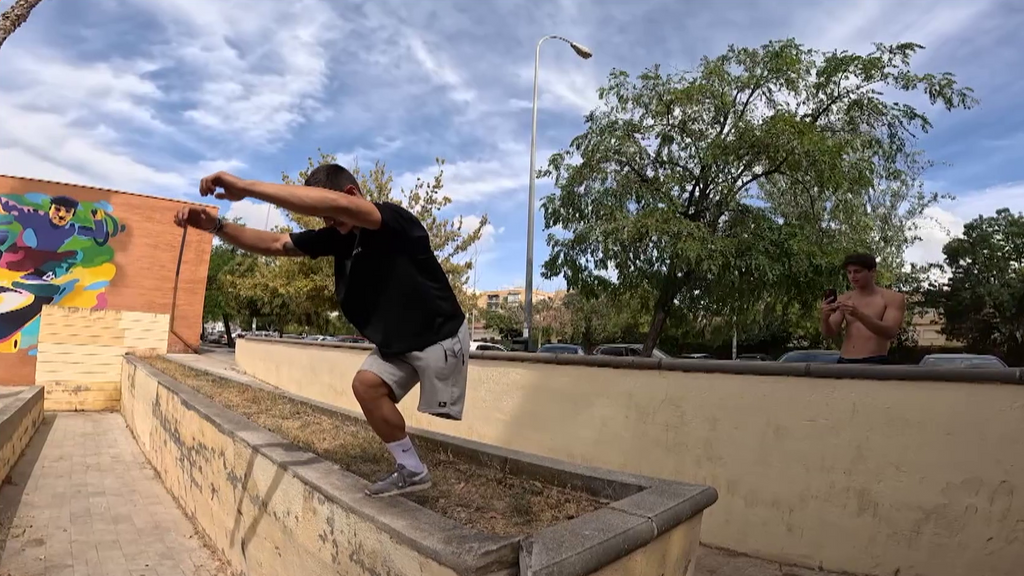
(472, 494)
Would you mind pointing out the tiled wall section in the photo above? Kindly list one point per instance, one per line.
(80, 351)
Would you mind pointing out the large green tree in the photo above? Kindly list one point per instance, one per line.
(981, 303)
(732, 191)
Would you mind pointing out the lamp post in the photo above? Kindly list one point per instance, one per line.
(584, 53)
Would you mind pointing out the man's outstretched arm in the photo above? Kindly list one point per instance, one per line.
(248, 239)
(258, 241)
(308, 200)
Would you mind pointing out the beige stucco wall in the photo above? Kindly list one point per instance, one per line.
(674, 552)
(857, 475)
(18, 428)
(262, 518)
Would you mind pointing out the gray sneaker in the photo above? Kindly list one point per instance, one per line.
(401, 481)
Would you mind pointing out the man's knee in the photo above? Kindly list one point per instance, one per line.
(368, 387)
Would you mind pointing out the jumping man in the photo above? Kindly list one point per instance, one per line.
(873, 315)
(389, 285)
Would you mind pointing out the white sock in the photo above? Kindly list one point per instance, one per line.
(405, 454)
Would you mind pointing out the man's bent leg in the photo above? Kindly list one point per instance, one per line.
(381, 412)
(378, 387)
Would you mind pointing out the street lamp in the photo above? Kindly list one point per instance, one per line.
(582, 52)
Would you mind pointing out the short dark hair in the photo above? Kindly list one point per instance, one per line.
(332, 177)
(861, 260)
(64, 202)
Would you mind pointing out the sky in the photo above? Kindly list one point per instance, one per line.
(150, 95)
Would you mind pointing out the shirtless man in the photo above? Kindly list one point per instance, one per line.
(873, 315)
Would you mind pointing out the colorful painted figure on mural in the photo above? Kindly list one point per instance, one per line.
(53, 250)
(37, 249)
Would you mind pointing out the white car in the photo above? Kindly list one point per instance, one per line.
(487, 347)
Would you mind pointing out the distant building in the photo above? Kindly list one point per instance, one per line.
(928, 329)
(495, 299)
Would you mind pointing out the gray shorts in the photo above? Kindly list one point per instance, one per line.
(440, 368)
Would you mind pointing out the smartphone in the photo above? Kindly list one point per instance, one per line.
(831, 295)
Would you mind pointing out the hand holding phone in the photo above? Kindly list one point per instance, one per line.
(829, 305)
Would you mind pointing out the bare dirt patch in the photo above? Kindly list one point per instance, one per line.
(475, 495)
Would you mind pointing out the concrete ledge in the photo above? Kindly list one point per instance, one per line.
(21, 413)
(600, 482)
(838, 371)
(188, 438)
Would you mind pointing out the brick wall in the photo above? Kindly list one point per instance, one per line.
(130, 268)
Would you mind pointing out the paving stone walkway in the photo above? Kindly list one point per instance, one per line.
(83, 501)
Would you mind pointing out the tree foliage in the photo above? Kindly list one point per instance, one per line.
(730, 193)
(981, 302)
(506, 321)
(221, 302)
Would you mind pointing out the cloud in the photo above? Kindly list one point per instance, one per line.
(940, 223)
(366, 155)
(481, 179)
(483, 251)
(149, 95)
(92, 123)
(255, 70)
(255, 215)
(440, 70)
(49, 146)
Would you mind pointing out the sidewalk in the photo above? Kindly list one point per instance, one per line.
(83, 501)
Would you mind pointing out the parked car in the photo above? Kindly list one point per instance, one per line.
(632, 350)
(811, 356)
(487, 347)
(962, 361)
(561, 349)
(755, 358)
(697, 356)
(350, 339)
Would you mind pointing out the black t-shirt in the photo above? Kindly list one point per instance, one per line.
(388, 282)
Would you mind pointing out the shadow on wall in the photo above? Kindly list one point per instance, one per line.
(53, 250)
(250, 490)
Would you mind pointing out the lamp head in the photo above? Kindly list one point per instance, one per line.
(581, 51)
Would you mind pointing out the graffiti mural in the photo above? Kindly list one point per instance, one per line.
(53, 250)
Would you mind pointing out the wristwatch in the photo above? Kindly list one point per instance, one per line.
(217, 227)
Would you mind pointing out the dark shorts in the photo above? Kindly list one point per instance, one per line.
(865, 360)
